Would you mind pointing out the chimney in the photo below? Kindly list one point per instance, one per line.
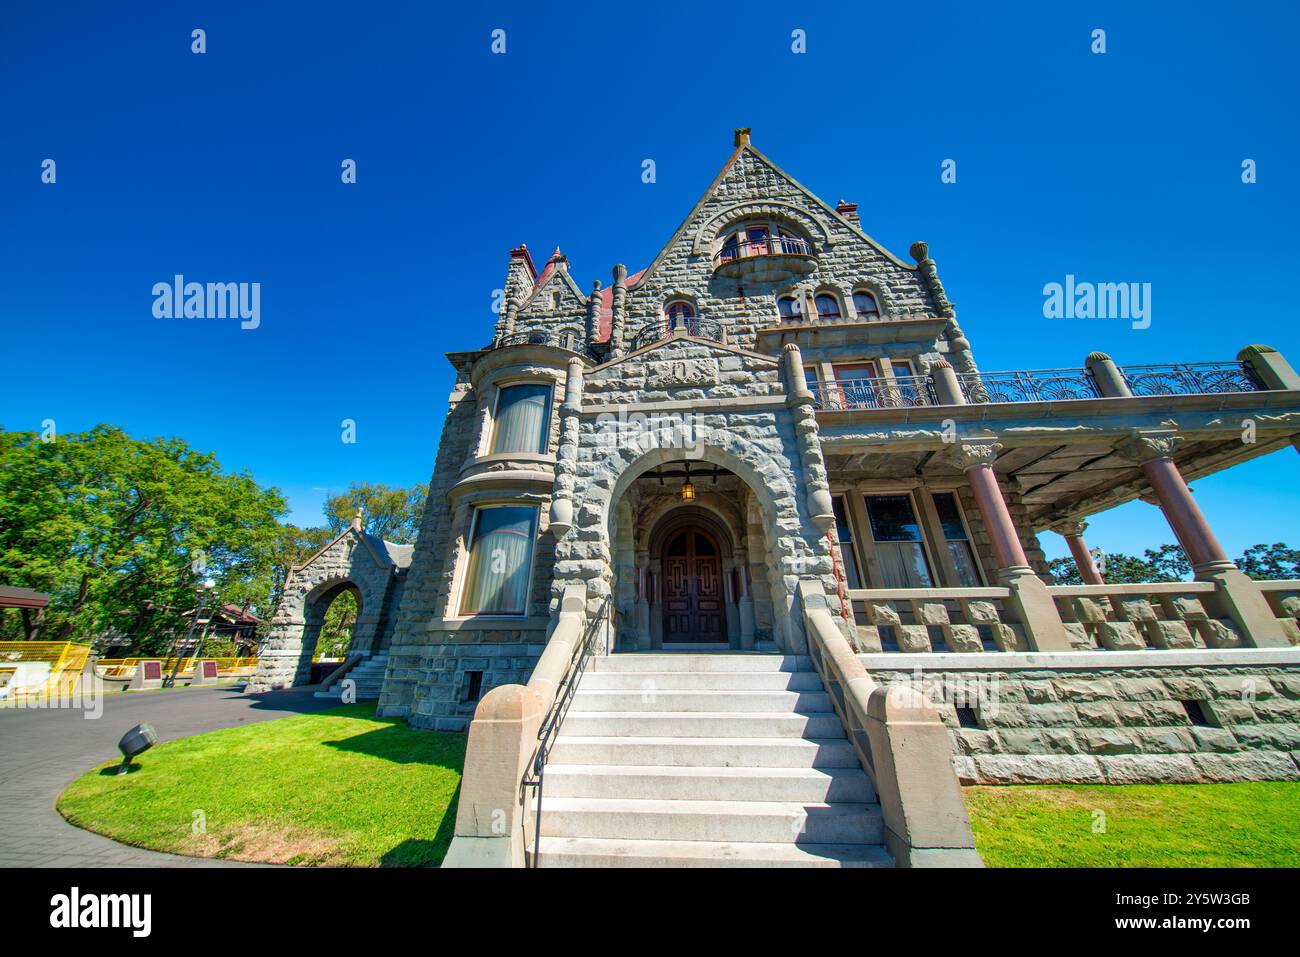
(742, 137)
(848, 210)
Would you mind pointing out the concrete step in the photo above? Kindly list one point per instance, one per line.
(669, 783)
(701, 681)
(701, 724)
(746, 821)
(656, 699)
(702, 752)
(712, 662)
(603, 852)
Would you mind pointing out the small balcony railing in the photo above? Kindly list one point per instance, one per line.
(771, 246)
(539, 337)
(901, 392)
(659, 329)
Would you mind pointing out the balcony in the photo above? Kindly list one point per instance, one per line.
(769, 259)
(902, 392)
(658, 329)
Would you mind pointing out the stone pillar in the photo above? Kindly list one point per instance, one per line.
(800, 400)
(593, 313)
(567, 456)
(642, 604)
(947, 388)
(1237, 597)
(1029, 602)
(1072, 532)
(744, 603)
(618, 309)
(1268, 367)
(1107, 376)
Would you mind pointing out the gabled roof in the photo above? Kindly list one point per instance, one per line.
(384, 553)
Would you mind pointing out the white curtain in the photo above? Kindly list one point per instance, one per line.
(902, 565)
(521, 420)
(496, 579)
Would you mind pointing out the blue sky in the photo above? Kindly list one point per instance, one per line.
(225, 167)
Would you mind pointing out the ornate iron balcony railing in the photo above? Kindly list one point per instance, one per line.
(1189, 378)
(901, 392)
(1039, 385)
(771, 246)
(539, 337)
(658, 329)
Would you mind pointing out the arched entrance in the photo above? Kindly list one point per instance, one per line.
(694, 603)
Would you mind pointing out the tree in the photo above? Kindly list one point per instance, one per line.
(390, 513)
(1168, 564)
(118, 531)
(336, 631)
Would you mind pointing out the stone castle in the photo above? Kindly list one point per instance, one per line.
(737, 495)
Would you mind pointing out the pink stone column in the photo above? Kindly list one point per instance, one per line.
(1007, 549)
(1182, 512)
(1072, 532)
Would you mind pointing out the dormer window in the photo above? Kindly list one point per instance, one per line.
(788, 309)
(865, 305)
(679, 310)
(828, 307)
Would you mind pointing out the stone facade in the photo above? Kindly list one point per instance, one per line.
(1116, 725)
(803, 401)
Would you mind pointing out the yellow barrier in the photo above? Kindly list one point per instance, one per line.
(123, 667)
(67, 660)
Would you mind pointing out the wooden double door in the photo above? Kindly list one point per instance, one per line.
(693, 596)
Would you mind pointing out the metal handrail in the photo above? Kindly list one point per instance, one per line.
(658, 329)
(1033, 385)
(534, 777)
(771, 246)
(1189, 378)
(900, 392)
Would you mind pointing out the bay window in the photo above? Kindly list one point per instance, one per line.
(500, 560)
(523, 418)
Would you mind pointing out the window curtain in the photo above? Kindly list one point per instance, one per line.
(898, 542)
(499, 556)
(521, 420)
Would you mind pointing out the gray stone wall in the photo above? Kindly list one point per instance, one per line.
(1113, 725)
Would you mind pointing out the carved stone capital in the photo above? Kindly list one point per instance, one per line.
(1145, 446)
(1068, 527)
(967, 455)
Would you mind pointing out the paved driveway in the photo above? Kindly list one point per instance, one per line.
(42, 750)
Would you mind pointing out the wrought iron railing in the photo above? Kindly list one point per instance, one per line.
(1189, 378)
(1043, 385)
(770, 246)
(543, 337)
(901, 392)
(599, 627)
(658, 329)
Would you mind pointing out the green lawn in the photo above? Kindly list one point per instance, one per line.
(1138, 825)
(341, 787)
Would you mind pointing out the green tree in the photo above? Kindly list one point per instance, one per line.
(390, 513)
(1168, 564)
(119, 530)
(336, 632)
(1270, 562)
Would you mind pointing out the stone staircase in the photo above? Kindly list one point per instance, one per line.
(369, 676)
(706, 760)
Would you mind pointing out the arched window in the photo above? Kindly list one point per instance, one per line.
(788, 308)
(828, 308)
(679, 310)
(557, 300)
(865, 305)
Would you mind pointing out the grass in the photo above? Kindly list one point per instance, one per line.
(1138, 825)
(340, 787)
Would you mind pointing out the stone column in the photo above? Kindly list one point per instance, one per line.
(947, 388)
(1029, 602)
(642, 603)
(1072, 531)
(1107, 376)
(1237, 597)
(567, 456)
(744, 603)
(1269, 368)
(593, 313)
(618, 309)
(801, 403)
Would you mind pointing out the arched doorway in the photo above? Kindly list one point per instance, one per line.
(694, 603)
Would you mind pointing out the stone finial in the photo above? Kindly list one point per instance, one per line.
(358, 522)
(941, 364)
(790, 347)
(1098, 357)
(920, 251)
(595, 287)
(742, 137)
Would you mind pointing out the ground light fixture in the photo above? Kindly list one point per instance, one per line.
(136, 742)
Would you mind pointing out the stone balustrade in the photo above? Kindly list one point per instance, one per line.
(1123, 617)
